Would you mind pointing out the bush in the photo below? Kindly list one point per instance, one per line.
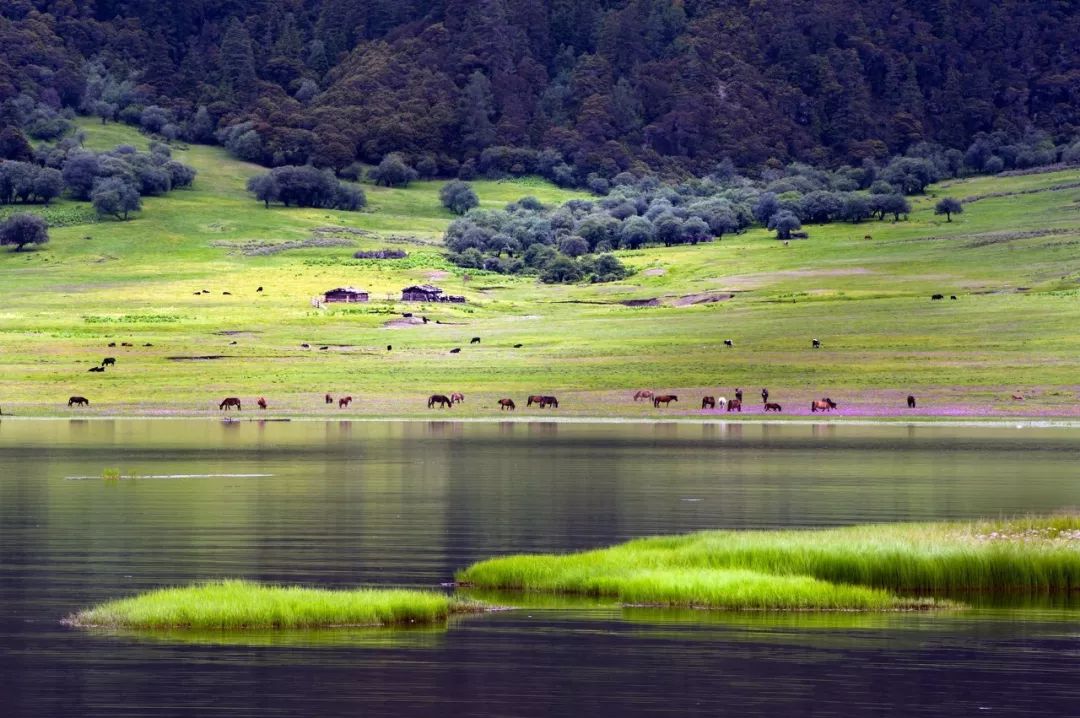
(23, 229)
(458, 197)
(115, 196)
(393, 172)
(305, 186)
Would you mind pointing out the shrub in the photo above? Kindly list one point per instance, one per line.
(23, 229)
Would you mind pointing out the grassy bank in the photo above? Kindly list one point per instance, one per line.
(855, 567)
(226, 605)
(1010, 258)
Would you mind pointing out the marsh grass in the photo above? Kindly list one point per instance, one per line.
(236, 604)
(859, 568)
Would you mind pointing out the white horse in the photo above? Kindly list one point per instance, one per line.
(721, 403)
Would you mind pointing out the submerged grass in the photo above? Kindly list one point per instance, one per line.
(861, 567)
(235, 604)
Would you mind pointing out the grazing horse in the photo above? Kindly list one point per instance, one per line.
(815, 343)
(735, 405)
(825, 404)
(78, 401)
(518, 346)
(441, 400)
(259, 289)
(108, 361)
(261, 402)
(455, 350)
(721, 403)
(664, 399)
(546, 401)
(952, 296)
(505, 404)
(643, 394)
(329, 399)
(344, 402)
(96, 368)
(910, 402)
(474, 340)
(457, 397)
(229, 403)
(937, 297)
(535, 399)
(773, 407)
(708, 402)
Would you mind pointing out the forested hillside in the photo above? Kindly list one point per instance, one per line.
(563, 88)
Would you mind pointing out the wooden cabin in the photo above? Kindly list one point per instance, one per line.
(345, 294)
(428, 293)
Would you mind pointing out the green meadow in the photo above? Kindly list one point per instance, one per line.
(1012, 259)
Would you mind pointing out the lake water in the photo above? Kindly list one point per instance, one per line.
(345, 504)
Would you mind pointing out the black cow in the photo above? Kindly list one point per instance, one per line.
(474, 340)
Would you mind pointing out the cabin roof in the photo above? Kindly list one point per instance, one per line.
(347, 290)
(425, 288)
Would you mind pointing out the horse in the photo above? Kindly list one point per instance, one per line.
(735, 405)
(261, 402)
(389, 347)
(457, 397)
(455, 350)
(259, 289)
(721, 402)
(78, 401)
(643, 394)
(108, 361)
(867, 236)
(738, 395)
(505, 404)
(329, 399)
(112, 344)
(344, 402)
(664, 399)
(773, 407)
(518, 346)
(764, 395)
(910, 401)
(936, 297)
(535, 399)
(474, 340)
(305, 345)
(546, 401)
(952, 296)
(96, 368)
(708, 402)
(439, 399)
(825, 404)
(230, 402)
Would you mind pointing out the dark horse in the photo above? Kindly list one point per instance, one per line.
(535, 399)
(505, 404)
(78, 401)
(108, 361)
(735, 405)
(261, 402)
(664, 399)
(910, 402)
(546, 401)
(773, 407)
(708, 402)
(229, 403)
(344, 402)
(440, 399)
(825, 404)
(329, 399)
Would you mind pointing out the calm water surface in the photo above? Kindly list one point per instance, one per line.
(344, 504)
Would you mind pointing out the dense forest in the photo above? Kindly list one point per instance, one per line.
(564, 88)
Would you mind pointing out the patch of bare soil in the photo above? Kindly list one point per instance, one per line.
(651, 302)
(654, 272)
(437, 274)
(403, 322)
(688, 300)
(208, 357)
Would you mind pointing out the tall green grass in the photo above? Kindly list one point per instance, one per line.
(235, 604)
(861, 567)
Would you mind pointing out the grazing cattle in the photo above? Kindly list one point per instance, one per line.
(441, 400)
(664, 399)
(643, 394)
(708, 402)
(407, 315)
(825, 404)
(259, 289)
(425, 319)
(233, 343)
(457, 397)
(261, 402)
(535, 399)
(729, 343)
(1018, 397)
(322, 349)
(198, 294)
(206, 291)
(505, 404)
(518, 346)
(547, 401)
(389, 348)
(112, 344)
(764, 395)
(148, 344)
(773, 407)
(96, 368)
(125, 344)
(910, 402)
(936, 297)
(952, 296)
(305, 345)
(227, 294)
(815, 343)
(474, 340)
(78, 401)
(344, 402)
(455, 350)
(229, 403)
(735, 405)
(329, 399)
(867, 236)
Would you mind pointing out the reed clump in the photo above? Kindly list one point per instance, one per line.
(237, 604)
(870, 567)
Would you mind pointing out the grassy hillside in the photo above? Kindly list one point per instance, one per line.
(1012, 259)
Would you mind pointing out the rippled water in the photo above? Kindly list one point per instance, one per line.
(408, 503)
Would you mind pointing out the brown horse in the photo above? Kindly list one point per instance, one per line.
(440, 399)
(457, 397)
(535, 399)
(505, 404)
(329, 399)
(708, 402)
(825, 404)
(643, 394)
(664, 399)
(735, 405)
(78, 401)
(910, 401)
(344, 402)
(773, 407)
(261, 402)
(229, 403)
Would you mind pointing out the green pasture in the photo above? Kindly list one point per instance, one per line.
(1012, 259)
